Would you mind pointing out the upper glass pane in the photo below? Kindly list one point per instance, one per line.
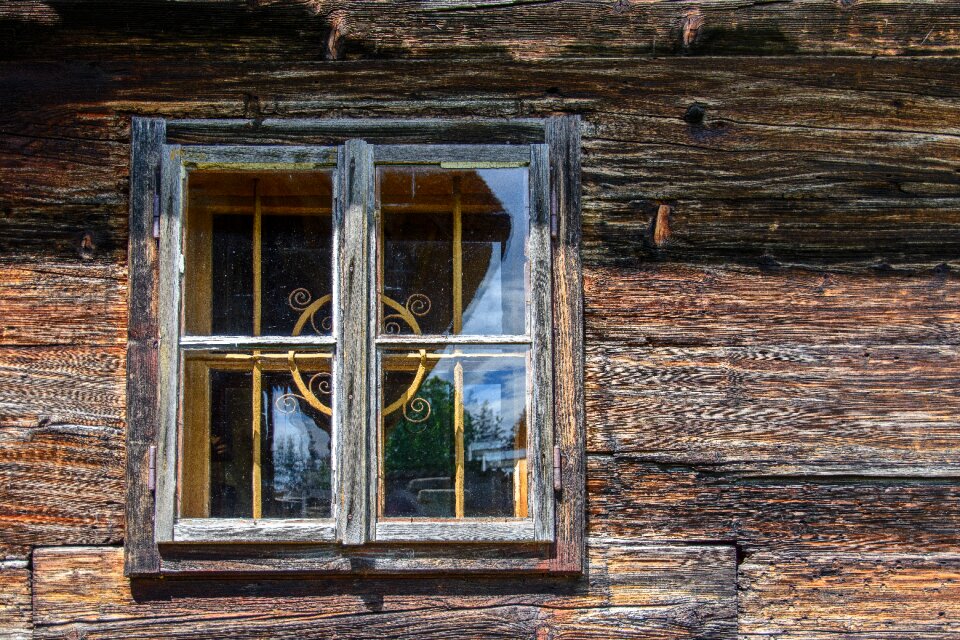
(258, 249)
(452, 250)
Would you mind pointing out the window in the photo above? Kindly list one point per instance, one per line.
(368, 352)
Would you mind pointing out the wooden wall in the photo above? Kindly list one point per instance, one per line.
(773, 382)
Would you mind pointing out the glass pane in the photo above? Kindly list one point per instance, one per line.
(453, 252)
(231, 401)
(454, 433)
(258, 253)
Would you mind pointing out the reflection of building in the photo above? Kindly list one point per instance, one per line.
(492, 455)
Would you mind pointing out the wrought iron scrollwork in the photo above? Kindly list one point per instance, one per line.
(416, 409)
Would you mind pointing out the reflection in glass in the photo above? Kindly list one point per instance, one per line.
(453, 250)
(454, 433)
(234, 401)
(258, 252)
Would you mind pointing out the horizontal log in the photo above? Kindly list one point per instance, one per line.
(634, 499)
(849, 595)
(781, 160)
(15, 600)
(506, 29)
(62, 385)
(679, 305)
(59, 303)
(648, 591)
(61, 485)
(780, 410)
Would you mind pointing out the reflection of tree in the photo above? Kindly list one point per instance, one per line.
(300, 473)
(424, 449)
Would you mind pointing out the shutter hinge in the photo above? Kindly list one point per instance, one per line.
(152, 468)
(557, 468)
(156, 206)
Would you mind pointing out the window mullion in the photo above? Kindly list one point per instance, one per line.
(353, 220)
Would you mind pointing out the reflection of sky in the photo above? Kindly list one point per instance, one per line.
(484, 314)
(297, 427)
(499, 381)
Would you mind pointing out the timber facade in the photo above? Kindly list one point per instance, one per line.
(769, 239)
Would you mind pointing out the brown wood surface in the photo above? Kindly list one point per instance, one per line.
(641, 591)
(16, 619)
(504, 29)
(849, 595)
(771, 242)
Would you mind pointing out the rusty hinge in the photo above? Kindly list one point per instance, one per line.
(152, 468)
(557, 468)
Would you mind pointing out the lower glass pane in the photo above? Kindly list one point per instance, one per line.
(256, 439)
(454, 433)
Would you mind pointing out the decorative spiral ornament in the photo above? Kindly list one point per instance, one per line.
(418, 304)
(287, 403)
(419, 410)
(299, 299)
(320, 383)
(390, 324)
(326, 324)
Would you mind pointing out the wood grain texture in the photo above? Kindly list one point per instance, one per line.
(634, 499)
(61, 484)
(761, 160)
(676, 305)
(495, 29)
(61, 385)
(16, 622)
(53, 303)
(849, 595)
(879, 409)
(648, 591)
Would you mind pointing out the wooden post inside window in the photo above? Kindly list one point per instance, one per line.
(257, 368)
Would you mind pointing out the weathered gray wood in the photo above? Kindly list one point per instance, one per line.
(229, 156)
(170, 278)
(540, 317)
(631, 590)
(351, 321)
(143, 401)
(374, 131)
(461, 155)
(459, 531)
(253, 531)
(563, 138)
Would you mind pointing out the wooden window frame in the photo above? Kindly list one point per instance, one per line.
(353, 541)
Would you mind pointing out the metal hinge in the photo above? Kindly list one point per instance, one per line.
(557, 468)
(156, 208)
(152, 468)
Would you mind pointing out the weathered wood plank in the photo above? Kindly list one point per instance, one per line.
(680, 305)
(61, 484)
(15, 600)
(635, 499)
(648, 591)
(61, 385)
(53, 303)
(498, 29)
(850, 595)
(780, 410)
(760, 159)
(68, 234)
